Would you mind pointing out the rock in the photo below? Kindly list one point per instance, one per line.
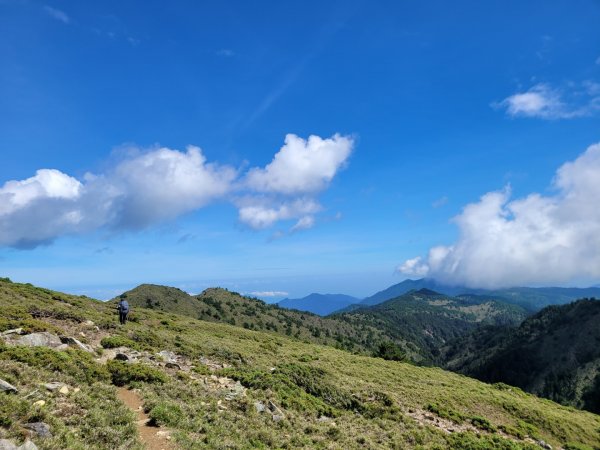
(39, 403)
(121, 357)
(172, 365)
(82, 334)
(323, 419)
(89, 323)
(260, 407)
(28, 445)
(544, 444)
(276, 413)
(62, 347)
(5, 444)
(64, 390)
(76, 390)
(7, 387)
(13, 331)
(41, 429)
(43, 339)
(54, 386)
(72, 341)
(167, 356)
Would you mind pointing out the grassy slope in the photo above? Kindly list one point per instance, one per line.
(555, 353)
(373, 403)
(223, 306)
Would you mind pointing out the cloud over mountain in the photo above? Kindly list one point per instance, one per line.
(535, 239)
(161, 184)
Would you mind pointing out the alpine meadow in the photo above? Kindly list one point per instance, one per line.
(300, 225)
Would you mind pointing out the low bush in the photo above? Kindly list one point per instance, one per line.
(123, 373)
(117, 341)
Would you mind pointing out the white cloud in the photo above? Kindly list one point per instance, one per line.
(269, 293)
(530, 240)
(149, 187)
(137, 192)
(302, 166)
(304, 223)
(57, 14)
(545, 102)
(260, 213)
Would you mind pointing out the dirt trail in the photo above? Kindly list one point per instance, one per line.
(154, 438)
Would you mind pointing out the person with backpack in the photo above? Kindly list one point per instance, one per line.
(123, 308)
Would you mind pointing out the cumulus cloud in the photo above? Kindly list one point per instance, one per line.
(260, 213)
(302, 166)
(545, 102)
(534, 239)
(57, 14)
(149, 187)
(137, 192)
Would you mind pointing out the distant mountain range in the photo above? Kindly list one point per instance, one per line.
(321, 304)
(423, 321)
(554, 354)
(532, 299)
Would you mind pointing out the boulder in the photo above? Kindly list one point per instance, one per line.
(75, 342)
(167, 356)
(13, 331)
(7, 387)
(28, 445)
(54, 386)
(40, 429)
(5, 444)
(276, 413)
(260, 407)
(42, 339)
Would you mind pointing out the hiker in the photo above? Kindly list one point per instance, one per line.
(123, 308)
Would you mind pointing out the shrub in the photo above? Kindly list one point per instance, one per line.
(123, 373)
(390, 351)
(117, 341)
(76, 363)
(167, 414)
(483, 424)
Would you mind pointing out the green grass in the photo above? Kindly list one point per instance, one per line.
(367, 402)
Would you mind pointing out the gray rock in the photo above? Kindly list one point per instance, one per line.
(72, 341)
(544, 444)
(172, 365)
(323, 419)
(13, 331)
(7, 387)
(41, 429)
(276, 413)
(260, 407)
(54, 386)
(28, 445)
(43, 339)
(5, 444)
(167, 356)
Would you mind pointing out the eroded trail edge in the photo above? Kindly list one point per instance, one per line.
(154, 438)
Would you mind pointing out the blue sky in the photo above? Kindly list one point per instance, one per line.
(418, 109)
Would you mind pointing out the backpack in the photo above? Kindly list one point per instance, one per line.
(124, 306)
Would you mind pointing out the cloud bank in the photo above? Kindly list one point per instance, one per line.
(546, 102)
(535, 239)
(161, 184)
